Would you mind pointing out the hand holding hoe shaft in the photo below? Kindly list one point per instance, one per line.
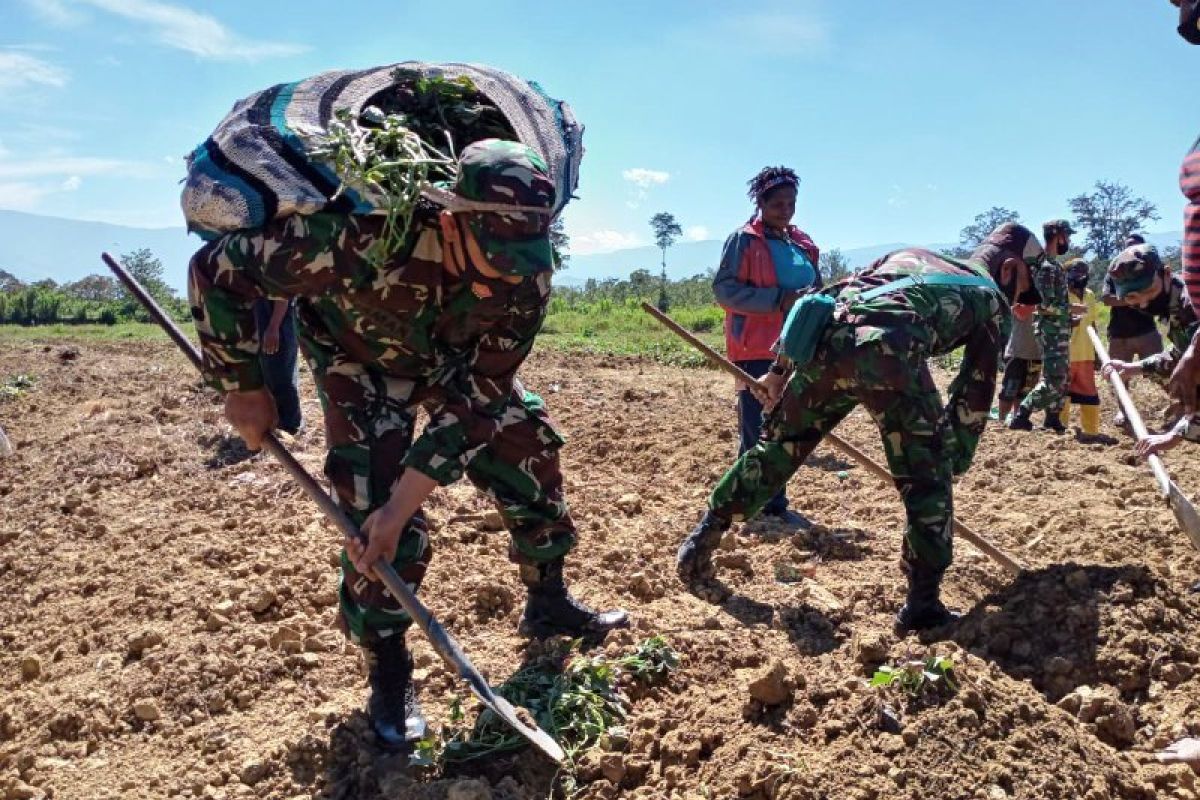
(863, 460)
(442, 642)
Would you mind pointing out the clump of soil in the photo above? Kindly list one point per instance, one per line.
(169, 624)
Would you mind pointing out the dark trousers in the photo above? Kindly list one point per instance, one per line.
(750, 414)
(281, 370)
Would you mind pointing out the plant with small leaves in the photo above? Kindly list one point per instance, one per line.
(387, 164)
(917, 677)
(14, 385)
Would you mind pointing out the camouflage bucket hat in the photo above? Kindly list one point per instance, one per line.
(1134, 269)
(499, 175)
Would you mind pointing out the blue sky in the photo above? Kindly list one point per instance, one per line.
(903, 119)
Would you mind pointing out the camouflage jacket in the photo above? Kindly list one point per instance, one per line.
(1054, 308)
(1177, 309)
(459, 340)
(932, 320)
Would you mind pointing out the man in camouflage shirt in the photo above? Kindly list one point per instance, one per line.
(875, 352)
(1053, 328)
(1141, 279)
(444, 325)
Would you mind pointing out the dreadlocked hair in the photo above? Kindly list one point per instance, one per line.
(768, 180)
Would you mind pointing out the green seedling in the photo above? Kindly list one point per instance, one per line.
(14, 385)
(916, 677)
(575, 698)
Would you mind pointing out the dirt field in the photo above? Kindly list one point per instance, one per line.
(168, 605)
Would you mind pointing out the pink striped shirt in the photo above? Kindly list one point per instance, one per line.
(1189, 182)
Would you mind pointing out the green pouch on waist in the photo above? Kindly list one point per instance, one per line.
(805, 323)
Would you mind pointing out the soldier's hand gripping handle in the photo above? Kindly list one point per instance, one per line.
(252, 414)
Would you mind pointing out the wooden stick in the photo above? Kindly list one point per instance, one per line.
(863, 460)
(1185, 512)
(443, 643)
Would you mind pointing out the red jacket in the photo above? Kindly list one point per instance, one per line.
(747, 288)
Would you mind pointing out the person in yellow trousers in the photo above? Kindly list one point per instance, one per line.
(1081, 384)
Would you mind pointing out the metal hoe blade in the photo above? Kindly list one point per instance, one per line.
(1185, 514)
(442, 642)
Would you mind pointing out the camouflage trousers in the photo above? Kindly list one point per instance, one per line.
(369, 425)
(898, 392)
(1051, 389)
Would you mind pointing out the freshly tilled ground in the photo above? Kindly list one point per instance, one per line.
(168, 623)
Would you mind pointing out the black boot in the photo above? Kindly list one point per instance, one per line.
(395, 713)
(1020, 421)
(1054, 423)
(923, 609)
(693, 562)
(551, 611)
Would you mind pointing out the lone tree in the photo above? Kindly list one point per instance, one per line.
(833, 265)
(973, 235)
(1108, 215)
(666, 231)
(560, 244)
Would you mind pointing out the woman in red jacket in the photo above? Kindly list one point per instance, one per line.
(765, 266)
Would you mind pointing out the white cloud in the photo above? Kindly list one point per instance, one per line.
(696, 233)
(604, 241)
(22, 196)
(26, 181)
(68, 166)
(645, 178)
(798, 30)
(19, 70)
(788, 33)
(56, 12)
(176, 26)
(193, 32)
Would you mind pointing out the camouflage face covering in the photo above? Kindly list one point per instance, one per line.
(497, 171)
(1077, 274)
(1009, 240)
(1135, 269)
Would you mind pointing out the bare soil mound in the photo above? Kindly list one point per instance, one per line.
(167, 627)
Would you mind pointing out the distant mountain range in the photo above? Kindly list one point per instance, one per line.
(33, 247)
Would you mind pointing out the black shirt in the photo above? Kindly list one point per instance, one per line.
(1126, 322)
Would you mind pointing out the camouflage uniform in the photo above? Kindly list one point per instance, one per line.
(1053, 329)
(436, 328)
(1131, 270)
(875, 352)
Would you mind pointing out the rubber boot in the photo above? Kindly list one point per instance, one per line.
(1020, 420)
(693, 562)
(1089, 420)
(552, 611)
(393, 708)
(1065, 415)
(1054, 422)
(923, 607)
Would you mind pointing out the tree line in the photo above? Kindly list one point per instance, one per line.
(94, 299)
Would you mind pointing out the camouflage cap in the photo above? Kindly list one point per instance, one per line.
(1057, 226)
(508, 173)
(1076, 267)
(1134, 269)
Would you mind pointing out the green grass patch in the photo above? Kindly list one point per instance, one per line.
(49, 334)
(611, 328)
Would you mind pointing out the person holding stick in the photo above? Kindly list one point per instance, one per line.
(443, 324)
(1140, 278)
(867, 339)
